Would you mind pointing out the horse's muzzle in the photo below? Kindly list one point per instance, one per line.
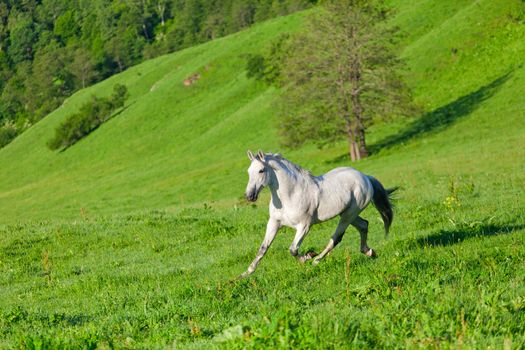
(253, 195)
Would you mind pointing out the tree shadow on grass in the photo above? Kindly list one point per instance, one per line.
(438, 119)
(444, 116)
(458, 235)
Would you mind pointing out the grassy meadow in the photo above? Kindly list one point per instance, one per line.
(133, 237)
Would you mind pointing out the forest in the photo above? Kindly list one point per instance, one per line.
(52, 48)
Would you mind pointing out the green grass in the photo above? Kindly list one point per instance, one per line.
(131, 238)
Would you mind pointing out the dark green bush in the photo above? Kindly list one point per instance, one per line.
(91, 115)
(267, 67)
(255, 67)
(7, 133)
(119, 96)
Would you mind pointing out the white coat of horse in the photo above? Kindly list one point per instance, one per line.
(300, 200)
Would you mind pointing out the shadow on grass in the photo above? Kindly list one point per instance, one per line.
(444, 116)
(69, 320)
(458, 235)
(438, 119)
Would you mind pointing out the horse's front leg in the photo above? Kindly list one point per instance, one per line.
(271, 230)
(302, 231)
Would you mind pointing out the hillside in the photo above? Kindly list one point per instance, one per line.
(168, 147)
(131, 237)
(50, 49)
(161, 149)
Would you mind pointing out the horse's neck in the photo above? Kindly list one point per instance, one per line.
(289, 187)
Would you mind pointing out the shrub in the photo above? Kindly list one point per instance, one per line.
(8, 132)
(255, 67)
(91, 115)
(119, 96)
(267, 67)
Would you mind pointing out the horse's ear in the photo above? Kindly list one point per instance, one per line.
(250, 155)
(260, 154)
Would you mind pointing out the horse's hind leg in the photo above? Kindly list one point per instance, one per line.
(346, 219)
(362, 226)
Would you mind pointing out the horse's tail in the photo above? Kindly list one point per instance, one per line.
(382, 202)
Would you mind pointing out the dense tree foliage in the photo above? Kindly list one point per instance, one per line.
(51, 48)
(340, 75)
(268, 66)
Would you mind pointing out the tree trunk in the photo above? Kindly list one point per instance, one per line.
(145, 30)
(353, 151)
(120, 65)
(360, 132)
(161, 9)
(357, 111)
(352, 145)
(355, 75)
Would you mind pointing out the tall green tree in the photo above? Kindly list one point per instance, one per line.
(342, 74)
(66, 26)
(4, 15)
(242, 14)
(82, 67)
(50, 81)
(23, 36)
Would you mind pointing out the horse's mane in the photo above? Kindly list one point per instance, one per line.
(292, 167)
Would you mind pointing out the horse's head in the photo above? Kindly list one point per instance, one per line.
(259, 176)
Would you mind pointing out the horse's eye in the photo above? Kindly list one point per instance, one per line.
(261, 171)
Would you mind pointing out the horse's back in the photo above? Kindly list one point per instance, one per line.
(347, 176)
(341, 188)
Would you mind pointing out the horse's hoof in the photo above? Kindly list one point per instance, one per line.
(303, 258)
(310, 255)
(316, 261)
(371, 253)
(243, 275)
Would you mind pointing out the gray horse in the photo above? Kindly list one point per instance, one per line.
(300, 200)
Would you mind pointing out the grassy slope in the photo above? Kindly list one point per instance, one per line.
(452, 275)
(159, 151)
